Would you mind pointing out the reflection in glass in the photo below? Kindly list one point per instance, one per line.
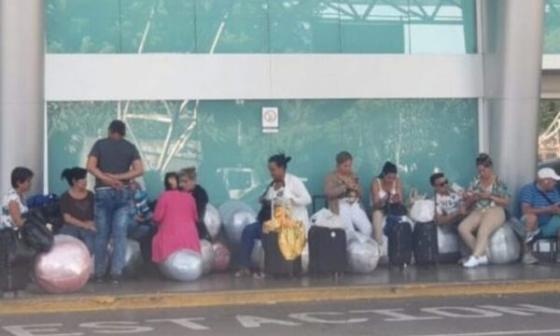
(225, 139)
(262, 26)
(552, 27)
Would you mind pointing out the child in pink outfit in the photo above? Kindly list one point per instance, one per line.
(175, 217)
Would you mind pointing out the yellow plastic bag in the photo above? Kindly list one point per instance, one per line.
(291, 241)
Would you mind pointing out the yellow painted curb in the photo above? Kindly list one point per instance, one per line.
(258, 297)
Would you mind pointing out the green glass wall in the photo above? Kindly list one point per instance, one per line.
(552, 27)
(261, 26)
(225, 140)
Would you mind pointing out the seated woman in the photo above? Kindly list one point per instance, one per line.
(343, 192)
(285, 188)
(386, 190)
(13, 203)
(486, 199)
(175, 216)
(11, 218)
(171, 181)
(188, 183)
(76, 206)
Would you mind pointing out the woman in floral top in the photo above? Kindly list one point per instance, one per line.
(487, 199)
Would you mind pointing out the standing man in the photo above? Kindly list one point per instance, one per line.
(114, 162)
(540, 206)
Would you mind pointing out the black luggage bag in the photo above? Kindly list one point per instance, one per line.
(399, 234)
(327, 251)
(14, 269)
(425, 243)
(274, 262)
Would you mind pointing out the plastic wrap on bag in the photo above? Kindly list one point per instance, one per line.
(239, 221)
(504, 246)
(325, 218)
(212, 221)
(305, 260)
(363, 257)
(207, 255)
(65, 268)
(133, 258)
(257, 256)
(384, 256)
(423, 211)
(448, 241)
(222, 257)
(183, 265)
(230, 208)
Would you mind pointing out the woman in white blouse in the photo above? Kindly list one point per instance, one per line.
(13, 204)
(286, 189)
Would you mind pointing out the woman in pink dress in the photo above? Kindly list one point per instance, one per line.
(176, 217)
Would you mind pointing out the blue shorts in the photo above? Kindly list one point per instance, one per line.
(551, 228)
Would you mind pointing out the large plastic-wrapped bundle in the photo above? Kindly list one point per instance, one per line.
(384, 251)
(449, 245)
(257, 256)
(183, 265)
(236, 216)
(133, 258)
(363, 257)
(65, 268)
(504, 246)
(222, 257)
(305, 259)
(207, 255)
(213, 221)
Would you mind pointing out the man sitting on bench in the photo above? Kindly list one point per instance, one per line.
(540, 205)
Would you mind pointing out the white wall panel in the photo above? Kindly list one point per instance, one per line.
(82, 77)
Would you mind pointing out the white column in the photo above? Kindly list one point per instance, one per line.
(512, 33)
(21, 88)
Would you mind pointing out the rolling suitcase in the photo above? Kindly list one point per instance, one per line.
(399, 233)
(425, 243)
(274, 262)
(327, 251)
(14, 273)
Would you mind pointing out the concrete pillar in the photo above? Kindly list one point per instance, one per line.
(21, 88)
(512, 38)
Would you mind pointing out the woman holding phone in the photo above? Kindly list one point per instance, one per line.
(386, 190)
(487, 199)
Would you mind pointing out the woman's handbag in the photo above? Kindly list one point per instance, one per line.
(395, 209)
(14, 249)
(35, 232)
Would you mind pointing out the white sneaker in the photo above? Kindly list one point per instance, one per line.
(532, 236)
(472, 262)
(483, 260)
(529, 259)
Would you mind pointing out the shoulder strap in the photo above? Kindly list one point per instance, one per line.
(544, 195)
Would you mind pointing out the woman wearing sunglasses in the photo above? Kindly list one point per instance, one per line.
(487, 199)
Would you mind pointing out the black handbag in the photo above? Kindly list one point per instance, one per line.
(14, 248)
(35, 232)
(395, 209)
(265, 213)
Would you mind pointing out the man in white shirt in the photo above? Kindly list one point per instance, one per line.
(449, 204)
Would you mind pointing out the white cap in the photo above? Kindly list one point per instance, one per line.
(548, 173)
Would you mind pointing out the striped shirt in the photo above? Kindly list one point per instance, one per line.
(532, 196)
